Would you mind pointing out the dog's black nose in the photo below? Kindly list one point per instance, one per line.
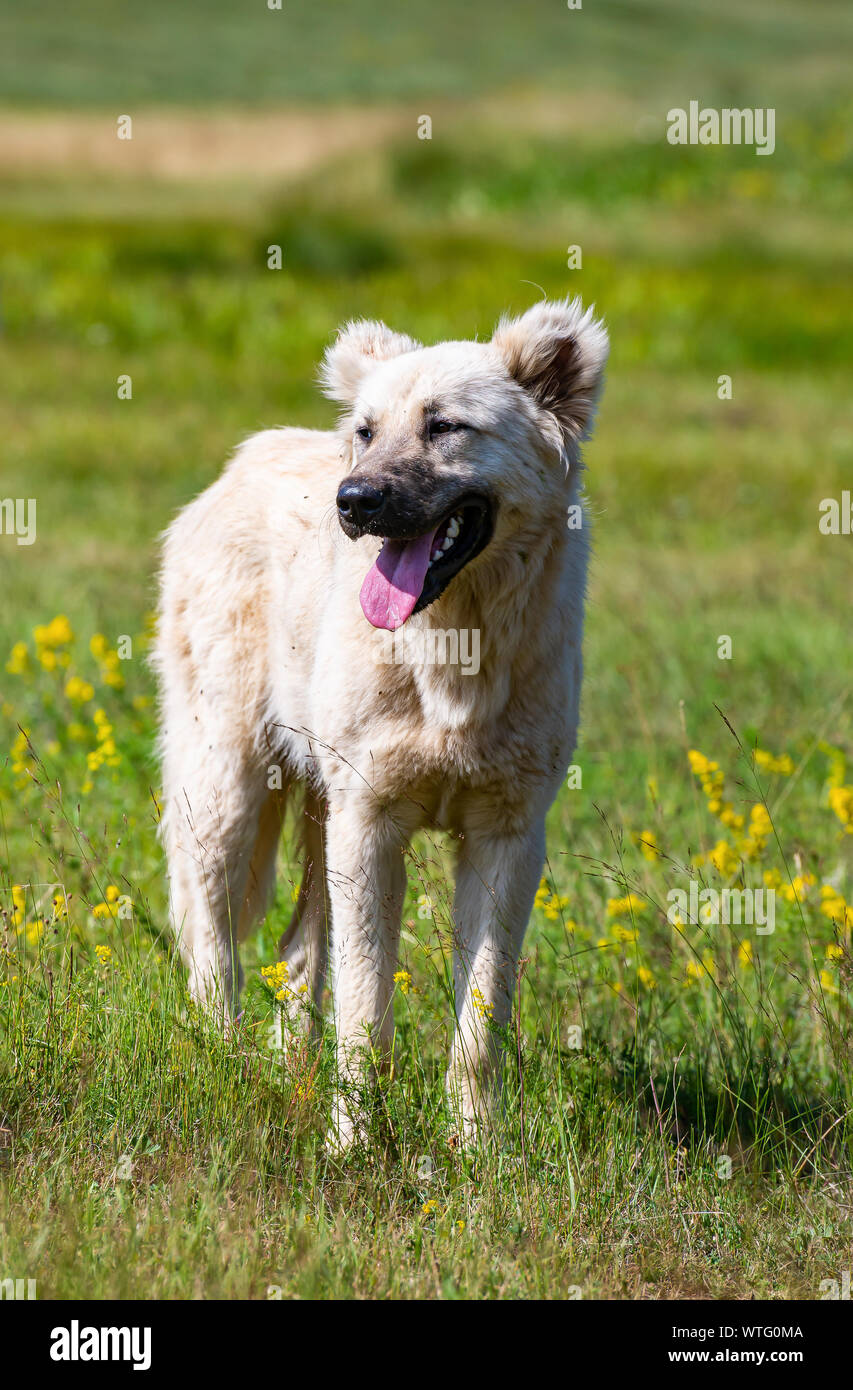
(359, 502)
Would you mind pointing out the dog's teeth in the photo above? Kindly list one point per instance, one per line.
(453, 529)
(448, 541)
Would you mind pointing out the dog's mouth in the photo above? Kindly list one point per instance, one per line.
(411, 573)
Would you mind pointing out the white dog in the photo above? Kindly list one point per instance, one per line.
(456, 478)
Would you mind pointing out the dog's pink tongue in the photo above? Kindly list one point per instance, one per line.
(393, 584)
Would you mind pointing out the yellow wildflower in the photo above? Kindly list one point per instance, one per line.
(618, 907)
(796, 890)
(760, 829)
(19, 660)
(19, 904)
(768, 763)
(834, 907)
(34, 931)
(79, 691)
(106, 751)
(713, 782)
(108, 659)
(700, 969)
(623, 933)
(708, 773)
(57, 633)
(110, 672)
(551, 904)
(276, 977)
(649, 845)
(837, 764)
(484, 1009)
(20, 751)
(554, 907)
(404, 980)
(841, 802)
(698, 762)
(724, 859)
(760, 824)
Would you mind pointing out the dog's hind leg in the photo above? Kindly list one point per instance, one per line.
(260, 882)
(210, 834)
(305, 943)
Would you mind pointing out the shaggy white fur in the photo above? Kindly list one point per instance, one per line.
(271, 684)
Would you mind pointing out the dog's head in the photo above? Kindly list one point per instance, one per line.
(454, 445)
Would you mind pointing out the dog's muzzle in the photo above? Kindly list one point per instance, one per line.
(360, 504)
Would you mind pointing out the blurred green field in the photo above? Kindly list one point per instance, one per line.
(213, 51)
(129, 1128)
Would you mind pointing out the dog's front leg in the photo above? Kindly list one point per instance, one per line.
(496, 883)
(366, 884)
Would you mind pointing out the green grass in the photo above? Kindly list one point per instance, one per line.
(143, 1155)
(216, 51)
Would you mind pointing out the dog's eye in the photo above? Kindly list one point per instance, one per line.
(444, 427)
(365, 432)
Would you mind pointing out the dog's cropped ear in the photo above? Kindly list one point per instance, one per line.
(359, 346)
(557, 352)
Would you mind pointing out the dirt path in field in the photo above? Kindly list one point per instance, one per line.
(189, 145)
(212, 145)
